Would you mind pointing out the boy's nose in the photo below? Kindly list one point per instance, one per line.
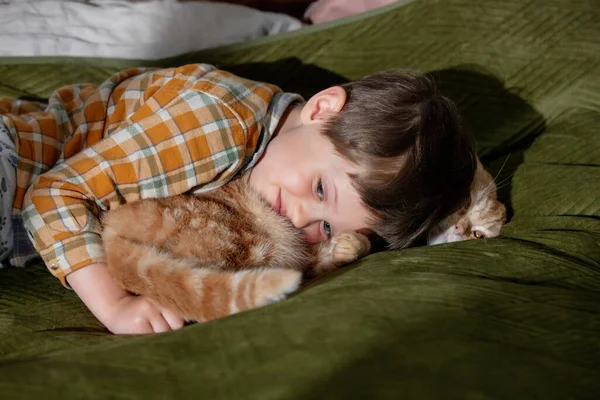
(296, 214)
(300, 216)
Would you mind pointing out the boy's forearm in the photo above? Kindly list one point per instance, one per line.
(97, 289)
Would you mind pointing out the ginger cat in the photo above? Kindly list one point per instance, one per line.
(209, 256)
(482, 219)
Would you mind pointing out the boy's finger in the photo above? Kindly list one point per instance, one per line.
(142, 328)
(159, 324)
(171, 319)
(174, 321)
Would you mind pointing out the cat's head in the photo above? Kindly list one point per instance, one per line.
(482, 219)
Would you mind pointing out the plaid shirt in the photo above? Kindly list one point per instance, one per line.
(142, 133)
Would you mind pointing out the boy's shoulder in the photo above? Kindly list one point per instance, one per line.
(239, 94)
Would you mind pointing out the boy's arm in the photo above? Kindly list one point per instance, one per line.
(118, 310)
(165, 148)
(147, 158)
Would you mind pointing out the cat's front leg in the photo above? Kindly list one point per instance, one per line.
(348, 247)
(342, 249)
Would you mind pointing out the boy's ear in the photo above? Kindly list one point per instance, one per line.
(323, 105)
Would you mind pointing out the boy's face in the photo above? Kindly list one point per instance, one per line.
(305, 180)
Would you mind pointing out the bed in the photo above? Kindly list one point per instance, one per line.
(514, 317)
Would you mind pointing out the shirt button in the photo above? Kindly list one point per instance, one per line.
(54, 266)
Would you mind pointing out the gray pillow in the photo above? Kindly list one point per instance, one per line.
(129, 29)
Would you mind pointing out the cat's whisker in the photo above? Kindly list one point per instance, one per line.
(502, 186)
(493, 184)
(486, 190)
(491, 187)
(505, 179)
(502, 167)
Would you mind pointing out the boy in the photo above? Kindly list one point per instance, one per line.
(385, 153)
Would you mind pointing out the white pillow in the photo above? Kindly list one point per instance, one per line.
(126, 29)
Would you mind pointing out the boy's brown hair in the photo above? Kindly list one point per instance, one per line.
(417, 159)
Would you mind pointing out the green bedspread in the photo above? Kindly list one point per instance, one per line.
(513, 317)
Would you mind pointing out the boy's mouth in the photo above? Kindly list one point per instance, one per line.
(278, 205)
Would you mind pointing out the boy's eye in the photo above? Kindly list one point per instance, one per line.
(327, 228)
(320, 191)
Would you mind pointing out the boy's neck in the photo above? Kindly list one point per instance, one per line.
(290, 119)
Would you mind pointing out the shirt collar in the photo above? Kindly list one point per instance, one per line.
(279, 103)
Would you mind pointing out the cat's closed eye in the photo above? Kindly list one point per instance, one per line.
(478, 235)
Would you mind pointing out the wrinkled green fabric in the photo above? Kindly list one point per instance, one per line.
(514, 317)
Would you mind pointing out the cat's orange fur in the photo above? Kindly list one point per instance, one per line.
(205, 257)
(482, 219)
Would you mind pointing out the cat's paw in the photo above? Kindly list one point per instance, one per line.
(348, 246)
(274, 285)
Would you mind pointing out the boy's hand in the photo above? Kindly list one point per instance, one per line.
(141, 314)
(120, 311)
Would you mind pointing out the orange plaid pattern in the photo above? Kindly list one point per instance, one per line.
(142, 133)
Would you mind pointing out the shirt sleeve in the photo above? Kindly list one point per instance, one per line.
(178, 136)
